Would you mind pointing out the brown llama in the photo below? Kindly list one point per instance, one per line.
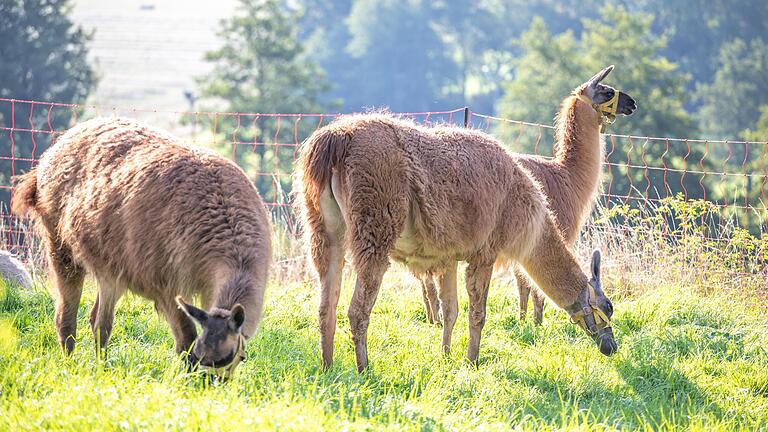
(570, 180)
(428, 197)
(141, 212)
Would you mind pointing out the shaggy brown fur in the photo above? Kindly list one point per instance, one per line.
(570, 180)
(146, 214)
(385, 187)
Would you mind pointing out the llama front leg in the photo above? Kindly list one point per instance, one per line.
(523, 289)
(449, 304)
(478, 282)
(68, 279)
(182, 327)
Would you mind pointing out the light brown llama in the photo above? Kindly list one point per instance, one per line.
(141, 212)
(570, 180)
(428, 197)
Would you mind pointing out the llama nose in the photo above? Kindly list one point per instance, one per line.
(606, 343)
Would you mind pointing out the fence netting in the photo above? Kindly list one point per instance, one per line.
(713, 189)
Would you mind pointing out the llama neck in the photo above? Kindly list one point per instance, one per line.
(578, 147)
(236, 289)
(553, 267)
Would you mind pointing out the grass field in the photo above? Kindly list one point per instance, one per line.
(686, 359)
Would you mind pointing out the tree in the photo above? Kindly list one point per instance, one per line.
(399, 60)
(696, 29)
(550, 66)
(262, 67)
(730, 103)
(43, 59)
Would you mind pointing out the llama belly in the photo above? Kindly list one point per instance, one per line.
(412, 250)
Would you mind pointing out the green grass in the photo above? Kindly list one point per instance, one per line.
(685, 360)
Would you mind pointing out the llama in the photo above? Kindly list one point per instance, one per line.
(571, 180)
(428, 197)
(141, 212)
(13, 271)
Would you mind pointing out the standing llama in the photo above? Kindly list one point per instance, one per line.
(428, 197)
(143, 213)
(571, 180)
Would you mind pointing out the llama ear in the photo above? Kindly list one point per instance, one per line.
(596, 265)
(196, 314)
(599, 76)
(237, 318)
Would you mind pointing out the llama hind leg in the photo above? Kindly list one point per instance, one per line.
(367, 286)
(101, 322)
(449, 303)
(524, 290)
(429, 294)
(538, 306)
(68, 279)
(327, 235)
(330, 289)
(478, 282)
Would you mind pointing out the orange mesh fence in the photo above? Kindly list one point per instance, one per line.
(639, 171)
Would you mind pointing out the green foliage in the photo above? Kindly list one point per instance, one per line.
(43, 52)
(394, 39)
(43, 59)
(697, 28)
(717, 242)
(731, 102)
(552, 65)
(261, 66)
(760, 132)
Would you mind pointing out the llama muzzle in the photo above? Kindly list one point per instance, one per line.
(596, 323)
(228, 370)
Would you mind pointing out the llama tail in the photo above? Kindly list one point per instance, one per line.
(24, 196)
(324, 150)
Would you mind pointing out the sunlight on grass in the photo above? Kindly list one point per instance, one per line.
(685, 360)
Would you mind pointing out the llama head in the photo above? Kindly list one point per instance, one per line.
(221, 345)
(593, 310)
(608, 101)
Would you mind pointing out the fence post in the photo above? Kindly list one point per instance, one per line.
(466, 116)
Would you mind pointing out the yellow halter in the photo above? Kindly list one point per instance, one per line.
(601, 319)
(607, 109)
(228, 370)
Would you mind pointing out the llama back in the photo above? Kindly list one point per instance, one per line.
(459, 201)
(135, 206)
(454, 202)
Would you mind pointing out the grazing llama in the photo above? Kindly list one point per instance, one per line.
(143, 213)
(428, 197)
(570, 180)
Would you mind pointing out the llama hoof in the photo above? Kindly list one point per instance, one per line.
(474, 362)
